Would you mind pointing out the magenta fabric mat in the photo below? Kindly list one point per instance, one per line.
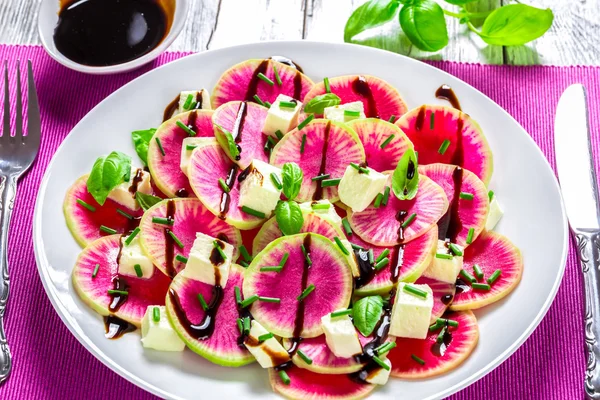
(49, 363)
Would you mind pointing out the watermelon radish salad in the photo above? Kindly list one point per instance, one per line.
(320, 229)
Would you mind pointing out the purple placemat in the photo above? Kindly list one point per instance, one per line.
(49, 363)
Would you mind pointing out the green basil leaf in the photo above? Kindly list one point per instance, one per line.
(289, 217)
(291, 176)
(107, 173)
(318, 103)
(366, 313)
(141, 139)
(146, 200)
(370, 15)
(405, 181)
(460, 2)
(424, 24)
(515, 24)
(231, 144)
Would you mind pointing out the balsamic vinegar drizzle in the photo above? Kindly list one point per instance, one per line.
(192, 121)
(286, 61)
(447, 299)
(226, 197)
(171, 108)
(169, 241)
(116, 327)
(318, 195)
(299, 320)
(450, 224)
(445, 92)
(297, 86)
(137, 178)
(461, 286)
(361, 87)
(238, 126)
(253, 84)
(182, 193)
(367, 272)
(420, 118)
(439, 349)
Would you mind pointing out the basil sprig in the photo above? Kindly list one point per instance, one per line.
(366, 313)
(141, 140)
(288, 213)
(318, 104)
(405, 180)
(146, 200)
(107, 173)
(291, 176)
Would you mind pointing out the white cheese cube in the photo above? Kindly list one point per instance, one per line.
(411, 314)
(442, 269)
(124, 193)
(257, 191)
(186, 153)
(131, 255)
(341, 336)
(282, 119)
(159, 335)
(357, 189)
(494, 215)
(336, 113)
(269, 353)
(199, 265)
(381, 375)
(200, 100)
(327, 213)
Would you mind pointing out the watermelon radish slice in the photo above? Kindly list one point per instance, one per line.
(380, 99)
(329, 273)
(307, 385)
(439, 358)
(208, 164)
(85, 224)
(222, 346)
(330, 147)
(241, 82)
(165, 170)
(414, 259)
(491, 251)
(373, 133)
(94, 290)
(468, 146)
(312, 223)
(244, 121)
(190, 217)
(443, 293)
(380, 226)
(464, 212)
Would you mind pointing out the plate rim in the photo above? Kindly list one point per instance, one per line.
(66, 318)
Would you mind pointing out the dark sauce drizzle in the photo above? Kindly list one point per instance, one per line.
(169, 241)
(226, 197)
(365, 268)
(420, 118)
(447, 299)
(287, 61)
(253, 84)
(450, 224)
(439, 349)
(137, 178)
(171, 108)
(116, 327)
(318, 195)
(461, 286)
(299, 320)
(297, 86)
(361, 87)
(192, 121)
(182, 193)
(445, 92)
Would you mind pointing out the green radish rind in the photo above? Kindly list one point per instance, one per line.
(227, 314)
(333, 284)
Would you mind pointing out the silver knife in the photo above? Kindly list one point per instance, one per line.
(574, 163)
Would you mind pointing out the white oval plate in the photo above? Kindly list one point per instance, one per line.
(521, 175)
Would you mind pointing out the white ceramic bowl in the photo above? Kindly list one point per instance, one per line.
(48, 17)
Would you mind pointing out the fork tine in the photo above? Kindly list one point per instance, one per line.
(6, 128)
(19, 116)
(34, 126)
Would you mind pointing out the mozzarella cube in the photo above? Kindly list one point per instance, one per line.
(124, 193)
(200, 265)
(357, 189)
(282, 119)
(494, 215)
(336, 113)
(159, 335)
(269, 353)
(411, 314)
(200, 100)
(341, 336)
(257, 191)
(381, 375)
(442, 269)
(186, 152)
(131, 255)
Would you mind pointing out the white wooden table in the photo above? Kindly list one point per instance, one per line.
(573, 38)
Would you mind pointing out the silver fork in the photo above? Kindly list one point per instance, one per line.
(16, 156)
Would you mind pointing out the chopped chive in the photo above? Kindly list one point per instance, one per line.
(440, 336)
(175, 238)
(383, 255)
(306, 292)
(432, 120)
(162, 221)
(217, 246)
(418, 359)
(303, 144)
(437, 325)
(346, 226)
(466, 275)
(449, 322)
(341, 246)
(188, 102)
(185, 128)
(245, 254)
(120, 292)
(320, 177)
(269, 299)
(276, 181)
(351, 113)
(244, 264)
(263, 77)
(246, 325)
(415, 291)
(356, 247)
(371, 256)
(306, 121)
(271, 268)
(330, 182)
(267, 147)
(341, 313)
(238, 294)
(240, 325)
(470, 235)
(381, 363)
(264, 337)
(387, 141)
(457, 251)
(409, 220)
(268, 104)
(271, 140)
(306, 255)
(253, 212)
(378, 200)
(132, 236)
(108, 230)
(382, 263)
(287, 104)
(279, 134)
(386, 196)
(466, 196)
(320, 206)
(202, 302)
(162, 151)
(480, 286)
(285, 378)
(258, 100)
(359, 168)
(276, 73)
(384, 348)
(326, 83)
(138, 270)
(443, 256)
(96, 268)
(190, 146)
(245, 303)
(181, 258)
(86, 205)
(392, 119)
(494, 277)
(304, 357)
(155, 314)
(284, 259)
(477, 271)
(444, 146)
(490, 195)
(223, 185)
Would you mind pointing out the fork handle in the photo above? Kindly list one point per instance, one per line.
(8, 191)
